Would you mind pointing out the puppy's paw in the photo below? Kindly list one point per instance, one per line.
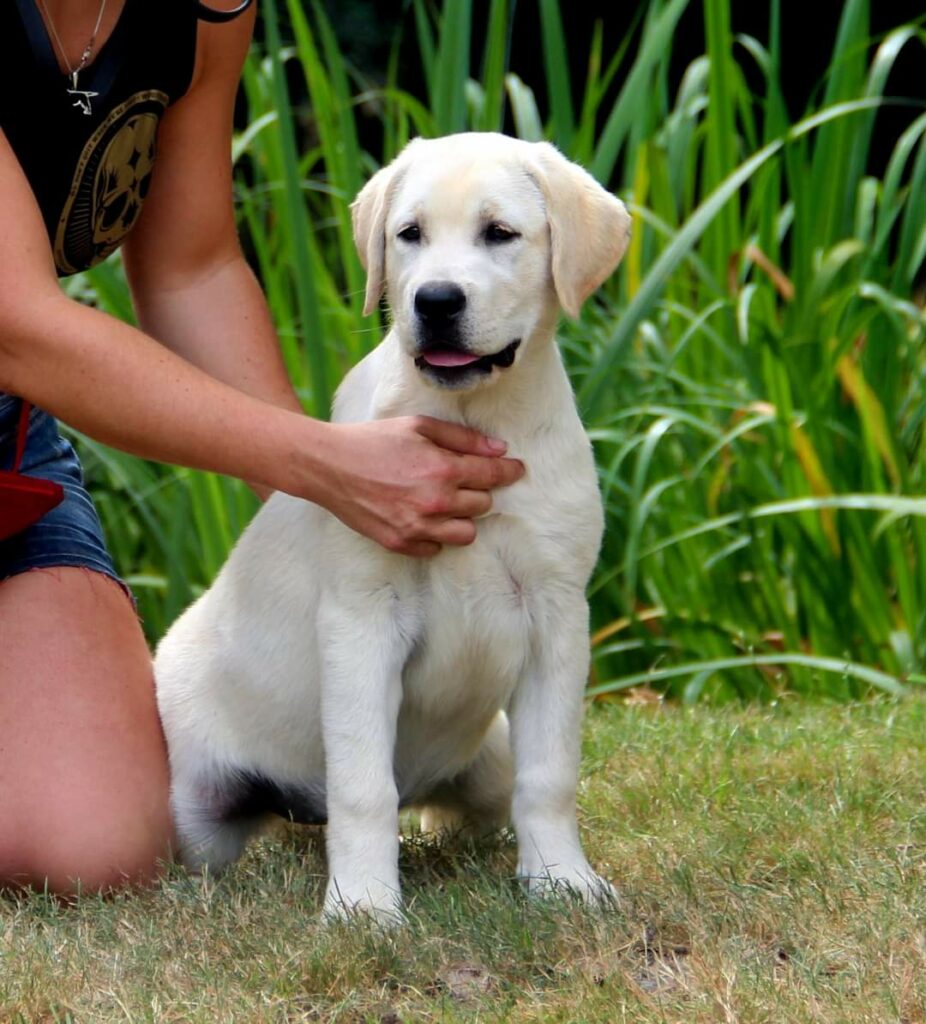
(372, 902)
(579, 881)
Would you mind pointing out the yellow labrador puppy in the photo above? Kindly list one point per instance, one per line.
(329, 680)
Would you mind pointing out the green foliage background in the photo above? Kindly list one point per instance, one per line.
(752, 376)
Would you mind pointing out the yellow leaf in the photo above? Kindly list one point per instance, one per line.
(871, 413)
(818, 480)
(634, 261)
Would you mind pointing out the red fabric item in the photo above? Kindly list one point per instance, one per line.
(24, 499)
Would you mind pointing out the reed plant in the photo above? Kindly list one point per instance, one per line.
(752, 377)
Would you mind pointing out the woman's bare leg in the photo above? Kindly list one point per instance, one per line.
(83, 767)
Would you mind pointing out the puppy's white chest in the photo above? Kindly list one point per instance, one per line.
(478, 615)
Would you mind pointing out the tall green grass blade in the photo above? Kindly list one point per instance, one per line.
(720, 147)
(296, 229)
(524, 110)
(427, 48)
(498, 38)
(895, 506)
(911, 248)
(879, 680)
(448, 98)
(833, 145)
(340, 144)
(559, 79)
(633, 97)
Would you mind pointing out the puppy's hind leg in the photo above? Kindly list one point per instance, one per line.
(478, 800)
(210, 834)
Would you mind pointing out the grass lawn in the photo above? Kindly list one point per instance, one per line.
(772, 863)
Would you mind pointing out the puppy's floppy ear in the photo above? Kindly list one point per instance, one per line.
(368, 214)
(589, 228)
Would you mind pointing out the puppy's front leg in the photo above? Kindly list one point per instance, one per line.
(546, 719)
(363, 651)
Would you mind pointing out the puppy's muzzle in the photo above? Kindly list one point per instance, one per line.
(443, 352)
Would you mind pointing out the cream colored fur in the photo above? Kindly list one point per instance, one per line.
(367, 680)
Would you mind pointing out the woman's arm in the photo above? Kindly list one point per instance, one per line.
(411, 484)
(192, 288)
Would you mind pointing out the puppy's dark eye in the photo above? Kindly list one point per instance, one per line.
(495, 234)
(410, 234)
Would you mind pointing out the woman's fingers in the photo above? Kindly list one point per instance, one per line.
(481, 474)
(468, 504)
(455, 532)
(456, 437)
(479, 465)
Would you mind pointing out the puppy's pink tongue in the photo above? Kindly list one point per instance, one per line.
(447, 357)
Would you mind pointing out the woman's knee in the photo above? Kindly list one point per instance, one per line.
(89, 855)
(80, 741)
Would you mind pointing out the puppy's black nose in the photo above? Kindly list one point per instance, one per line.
(439, 301)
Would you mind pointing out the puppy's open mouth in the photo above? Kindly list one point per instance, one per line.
(449, 364)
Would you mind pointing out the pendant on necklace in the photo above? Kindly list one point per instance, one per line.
(83, 96)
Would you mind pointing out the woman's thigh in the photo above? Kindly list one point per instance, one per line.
(83, 767)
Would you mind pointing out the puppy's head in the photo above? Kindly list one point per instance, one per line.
(477, 239)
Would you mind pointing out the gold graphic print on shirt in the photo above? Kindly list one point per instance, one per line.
(110, 184)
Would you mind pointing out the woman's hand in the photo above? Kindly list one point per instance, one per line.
(412, 483)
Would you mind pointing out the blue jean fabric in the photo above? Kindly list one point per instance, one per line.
(70, 534)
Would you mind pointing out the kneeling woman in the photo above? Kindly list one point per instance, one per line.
(115, 125)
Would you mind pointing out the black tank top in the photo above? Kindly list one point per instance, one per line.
(89, 155)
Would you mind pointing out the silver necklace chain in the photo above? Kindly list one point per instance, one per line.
(83, 96)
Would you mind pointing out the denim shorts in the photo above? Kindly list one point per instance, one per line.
(70, 534)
